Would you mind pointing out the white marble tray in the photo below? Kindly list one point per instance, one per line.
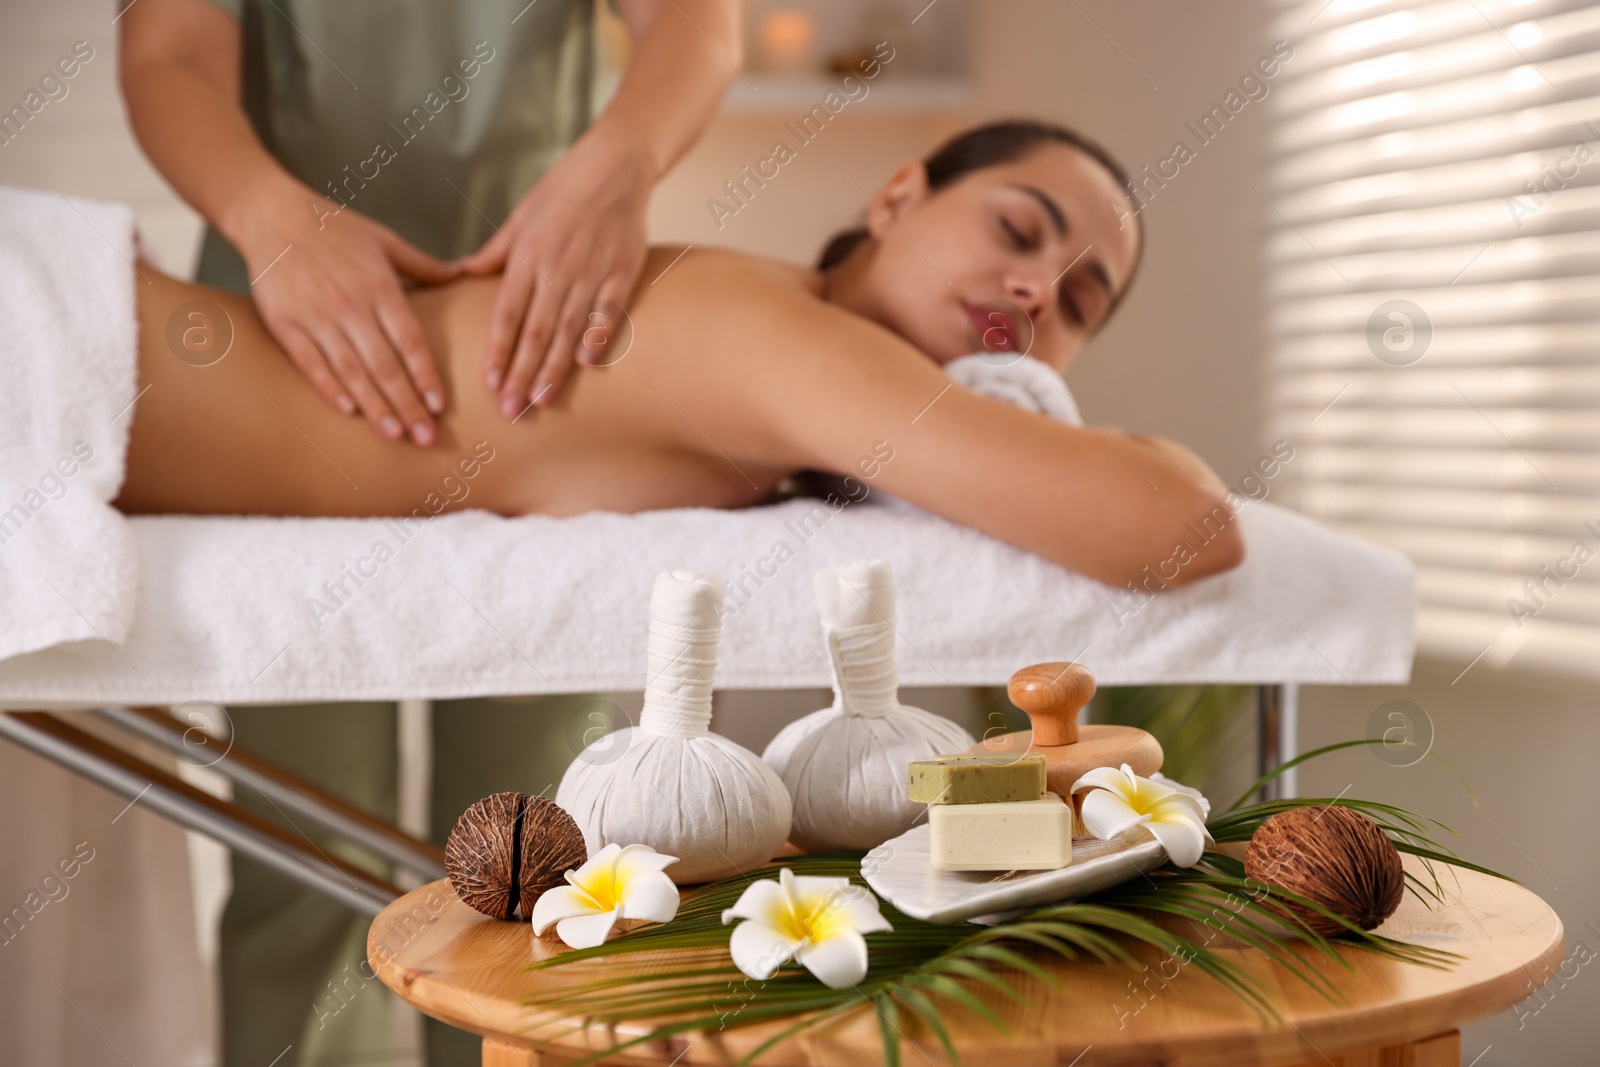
(900, 872)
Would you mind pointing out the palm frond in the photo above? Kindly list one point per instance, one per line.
(920, 970)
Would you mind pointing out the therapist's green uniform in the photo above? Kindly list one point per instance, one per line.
(434, 119)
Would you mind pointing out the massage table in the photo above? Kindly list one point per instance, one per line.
(253, 611)
(132, 616)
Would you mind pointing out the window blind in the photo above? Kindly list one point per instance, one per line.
(1433, 264)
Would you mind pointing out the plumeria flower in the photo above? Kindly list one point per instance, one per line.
(1124, 805)
(618, 888)
(818, 921)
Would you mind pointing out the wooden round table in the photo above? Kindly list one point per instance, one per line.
(471, 971)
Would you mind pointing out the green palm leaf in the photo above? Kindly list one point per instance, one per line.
(919, 969)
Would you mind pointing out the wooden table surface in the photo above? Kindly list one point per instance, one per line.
(470, 971)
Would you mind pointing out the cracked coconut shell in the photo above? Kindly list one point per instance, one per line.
(511, 840)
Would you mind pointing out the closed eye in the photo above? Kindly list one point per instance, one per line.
(1070, 307)
(1018, 238)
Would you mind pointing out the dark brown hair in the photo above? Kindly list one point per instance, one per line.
(990, 145)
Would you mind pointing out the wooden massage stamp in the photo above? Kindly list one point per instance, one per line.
(1052, 694)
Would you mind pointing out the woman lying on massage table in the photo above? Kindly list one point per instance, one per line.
(742, 371)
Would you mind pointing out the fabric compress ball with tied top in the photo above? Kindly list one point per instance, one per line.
(845, 766)
(670, 782)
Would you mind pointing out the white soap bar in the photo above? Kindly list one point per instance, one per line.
(1008, 835)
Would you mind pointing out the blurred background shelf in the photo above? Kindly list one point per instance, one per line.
(797, 51)
(766, 92)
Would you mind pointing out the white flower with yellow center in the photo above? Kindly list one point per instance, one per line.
(618, 888)
(1122, 804)
(818, 921)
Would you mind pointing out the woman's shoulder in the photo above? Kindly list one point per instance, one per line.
(674, 268)
(722, 291)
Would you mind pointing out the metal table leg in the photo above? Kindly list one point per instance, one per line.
(1277, 740)
(291, 793)
(243, 831)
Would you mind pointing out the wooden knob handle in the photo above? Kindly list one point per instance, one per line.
(1052, 694)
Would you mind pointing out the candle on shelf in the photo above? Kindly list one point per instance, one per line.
(788, 41)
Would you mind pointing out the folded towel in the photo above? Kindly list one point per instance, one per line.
(68, 349)
(1017, 379)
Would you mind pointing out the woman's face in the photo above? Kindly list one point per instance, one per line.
(1025, 256)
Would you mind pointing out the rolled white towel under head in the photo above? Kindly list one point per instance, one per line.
(1017, 379)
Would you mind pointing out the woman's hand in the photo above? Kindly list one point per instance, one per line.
(576, 240)
(326, 280)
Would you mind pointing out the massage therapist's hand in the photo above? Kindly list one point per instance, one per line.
(327, 284)
(576, 238)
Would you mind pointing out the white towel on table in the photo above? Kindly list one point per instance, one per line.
(67, 360)
(234, 609)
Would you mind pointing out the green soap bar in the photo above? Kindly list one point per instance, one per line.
(986, 778)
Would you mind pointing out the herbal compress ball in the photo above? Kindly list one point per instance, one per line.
(1333, 856)
(845, 766)
(670, 782)
(511, 840)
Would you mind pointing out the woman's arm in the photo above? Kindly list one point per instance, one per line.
(664, 104)
(582, 226)
(332, 298)
(179, 68)
(830, 386)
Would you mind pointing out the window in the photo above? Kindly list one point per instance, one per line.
(1433, 265)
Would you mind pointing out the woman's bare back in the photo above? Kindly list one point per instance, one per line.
(739, 372)
(247, 435)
